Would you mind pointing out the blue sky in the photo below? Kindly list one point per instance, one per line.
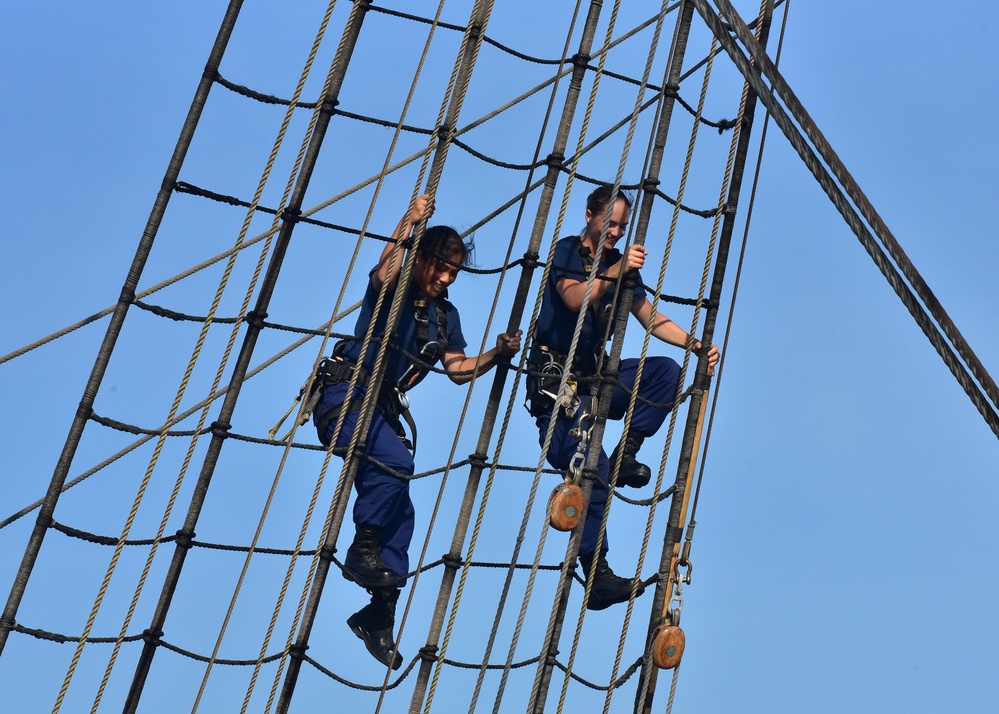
(843, 558)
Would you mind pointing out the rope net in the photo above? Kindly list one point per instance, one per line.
(184, 552)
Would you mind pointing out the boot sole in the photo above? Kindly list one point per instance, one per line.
(597, 605)
(360, 632)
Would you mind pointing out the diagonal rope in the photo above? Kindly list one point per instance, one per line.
(728, 331)
(923, 305)
(536, 235)
(324, 468)
(308, 213)
(679, 49)
(731, 184)
(501, 438)
(450, 108)
(161, 441)
(114, 328)
(289, 187)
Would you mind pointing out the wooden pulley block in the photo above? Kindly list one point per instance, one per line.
(565, 506)
(667, 649)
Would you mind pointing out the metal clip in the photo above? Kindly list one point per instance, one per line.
(683, 577)
(569, 399)
(576, 467)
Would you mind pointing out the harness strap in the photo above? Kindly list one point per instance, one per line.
(430, 350)
(603, 308)
(391, 403)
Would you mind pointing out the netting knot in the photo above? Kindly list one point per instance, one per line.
(428, 653)
(256, 318)
(650, 185)
(184, 539)
(530, 260)
(152, 637)
(451, 561)
(330, 104)
(297, 651)
(478, 460)
(580, 60)
(724, 124)
(44, 519)
(326, 552)
(609, 376)
(291, 215)
(555, 160)
(671, 90)
(220, 429)
(84, 412)
(444, 132)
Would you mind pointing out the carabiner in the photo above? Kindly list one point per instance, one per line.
(576, 464)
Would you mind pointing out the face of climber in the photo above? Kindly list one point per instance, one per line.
(616, 220)
(433, 275)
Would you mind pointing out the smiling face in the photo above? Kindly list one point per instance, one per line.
(433, 275)
(616, 220)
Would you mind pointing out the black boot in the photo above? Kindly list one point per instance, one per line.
(608, 589)
(632, 472)
(373, 623)
(363, 563)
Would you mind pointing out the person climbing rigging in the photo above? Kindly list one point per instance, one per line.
(429, 328)
(560, 307)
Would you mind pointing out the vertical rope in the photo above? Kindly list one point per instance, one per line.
(319, 124)
(983, 395)
(293, 174)
(734, 173)
(553, 634)
(623, 297)
(447, 119)
(527, 271)
(485, 433)
(7, 619)
(334, 516)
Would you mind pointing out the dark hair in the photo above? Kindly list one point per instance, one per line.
(597, 201)
(444, 243)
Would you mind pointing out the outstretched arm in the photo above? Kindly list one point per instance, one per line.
(460, 369)
(389, 265)
(666, 330)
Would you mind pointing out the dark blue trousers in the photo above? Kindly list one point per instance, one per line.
(383, 500)
(659, 384)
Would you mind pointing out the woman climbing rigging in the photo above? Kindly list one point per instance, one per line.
(429, 328)
(606, 220)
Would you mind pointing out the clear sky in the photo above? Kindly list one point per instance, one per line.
(844, 559)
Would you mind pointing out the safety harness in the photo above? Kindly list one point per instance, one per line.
(546, 365)
(392, 400)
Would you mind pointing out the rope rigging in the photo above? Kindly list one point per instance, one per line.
(275, 488)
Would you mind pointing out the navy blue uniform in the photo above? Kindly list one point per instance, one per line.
(556, 324)
(383, 500)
